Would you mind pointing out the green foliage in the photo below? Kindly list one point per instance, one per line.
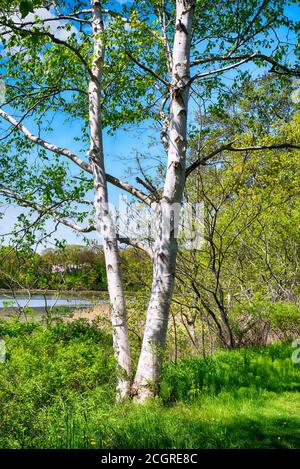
(251, 208)
(69, 267)
(57, 391)
(247, 371)
(79, 330)
(26, 6)
(17, 328)
(282, 318)
(44, 367)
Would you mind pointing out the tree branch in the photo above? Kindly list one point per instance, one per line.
(46, 210)
(54, 39)
(136, 244)
(243, 59)
(115, 14)
(147, 69)
(202, 160)
(65, 152)
(275, 146)
(129, 188)
(55, 18)
(228, 146)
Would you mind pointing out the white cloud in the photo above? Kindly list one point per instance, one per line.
(43, 13)
(55, 25)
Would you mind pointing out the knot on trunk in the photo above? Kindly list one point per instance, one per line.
(180, 27)
(188, 5)
(180, 141)
(179, 81)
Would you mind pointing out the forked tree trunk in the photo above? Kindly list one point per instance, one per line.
(104, 222)
(165, 247)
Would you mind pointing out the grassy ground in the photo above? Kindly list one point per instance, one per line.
(57, 391)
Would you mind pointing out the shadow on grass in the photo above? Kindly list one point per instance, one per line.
(57, 391)
(216, 422)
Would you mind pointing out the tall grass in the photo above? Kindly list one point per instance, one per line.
(57, 391)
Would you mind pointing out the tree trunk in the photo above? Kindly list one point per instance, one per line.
(104, 223)
(165, 246)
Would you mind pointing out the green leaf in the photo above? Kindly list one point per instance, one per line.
(26, 6)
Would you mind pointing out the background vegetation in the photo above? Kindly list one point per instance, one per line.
(68, 267)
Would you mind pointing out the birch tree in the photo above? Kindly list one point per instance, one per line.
(109, 66)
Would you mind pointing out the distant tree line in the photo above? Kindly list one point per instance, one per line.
(72, 267)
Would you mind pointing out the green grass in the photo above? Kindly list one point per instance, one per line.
(57, 391)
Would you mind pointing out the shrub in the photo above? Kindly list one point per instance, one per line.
(263, 321)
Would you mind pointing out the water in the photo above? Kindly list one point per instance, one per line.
(38, 301)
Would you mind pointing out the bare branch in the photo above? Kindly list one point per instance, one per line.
(147, 69)
(275, 146)
(82, 12)
(129, 188)
(148, 186)
(221, 70)
(147, 182)
(136, 244)
(203, 159)
(243, 59)
(228, 146)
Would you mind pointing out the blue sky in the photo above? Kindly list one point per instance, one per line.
(118, 149)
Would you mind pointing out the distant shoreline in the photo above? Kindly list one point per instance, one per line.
(39, 313)
(35, 291)
(97, 297)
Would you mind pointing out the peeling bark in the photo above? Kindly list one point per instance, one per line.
(104, 222)
(165, 246)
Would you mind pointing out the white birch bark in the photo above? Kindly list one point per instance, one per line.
(165, 248)
(104, 222)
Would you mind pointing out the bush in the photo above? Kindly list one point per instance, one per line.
(263, 321)
(46, 366)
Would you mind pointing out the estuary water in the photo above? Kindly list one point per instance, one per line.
(49, 300)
